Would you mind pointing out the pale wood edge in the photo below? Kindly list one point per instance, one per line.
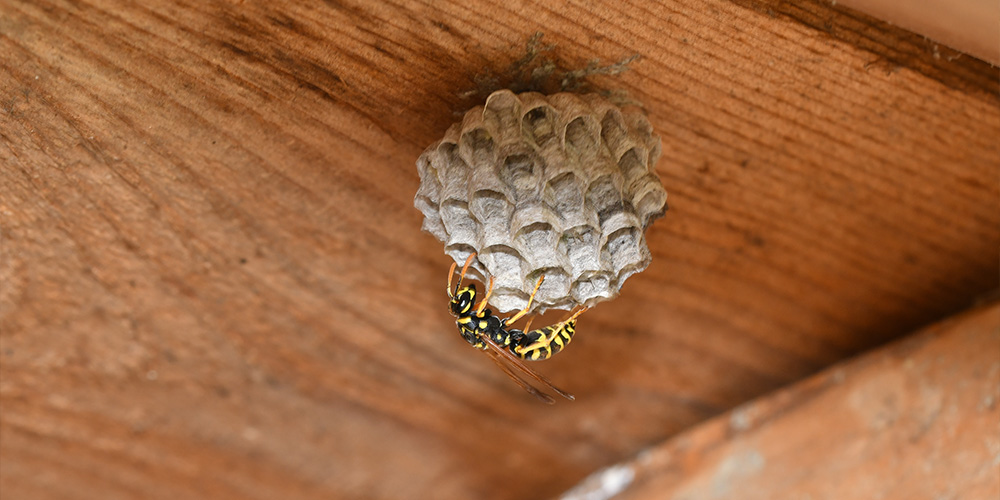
(968, 342)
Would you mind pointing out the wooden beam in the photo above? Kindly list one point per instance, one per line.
(915, 419)
(213, 283)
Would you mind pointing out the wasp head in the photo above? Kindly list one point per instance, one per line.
(461, 301)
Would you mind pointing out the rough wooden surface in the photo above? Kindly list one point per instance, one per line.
(917, 419)
(214, 284)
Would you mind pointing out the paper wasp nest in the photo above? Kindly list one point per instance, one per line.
(561, 185)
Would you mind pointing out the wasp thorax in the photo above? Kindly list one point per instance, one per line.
(562, 186)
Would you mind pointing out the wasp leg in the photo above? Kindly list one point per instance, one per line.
(486, 297)
(574, 316)
(527, 327)
(524, 311)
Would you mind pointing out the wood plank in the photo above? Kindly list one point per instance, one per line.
(214, 284)
(915, 419)
(971, 26)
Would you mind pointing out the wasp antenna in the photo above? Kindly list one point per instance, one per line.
(461, 277)
(465, 268)
(451, 273)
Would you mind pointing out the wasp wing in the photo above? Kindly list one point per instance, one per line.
(497, 352)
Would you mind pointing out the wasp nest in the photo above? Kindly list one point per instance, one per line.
(562, 186)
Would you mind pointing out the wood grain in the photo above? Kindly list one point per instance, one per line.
(214, 284)
(916, 419)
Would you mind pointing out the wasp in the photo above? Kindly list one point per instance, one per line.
(506, 345)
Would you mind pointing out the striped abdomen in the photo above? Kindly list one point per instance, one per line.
(543, 343)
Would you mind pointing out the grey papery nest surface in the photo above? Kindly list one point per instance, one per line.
(561, 185)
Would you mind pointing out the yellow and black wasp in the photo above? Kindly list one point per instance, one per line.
(503, 344)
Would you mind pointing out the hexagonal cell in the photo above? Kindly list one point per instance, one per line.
(564, 194)
(582, 247)
(582, 135)
(521, 174)
(625, 249)
(537, 243)
(539, 125)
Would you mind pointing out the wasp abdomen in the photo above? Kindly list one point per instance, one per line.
(543, 343)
